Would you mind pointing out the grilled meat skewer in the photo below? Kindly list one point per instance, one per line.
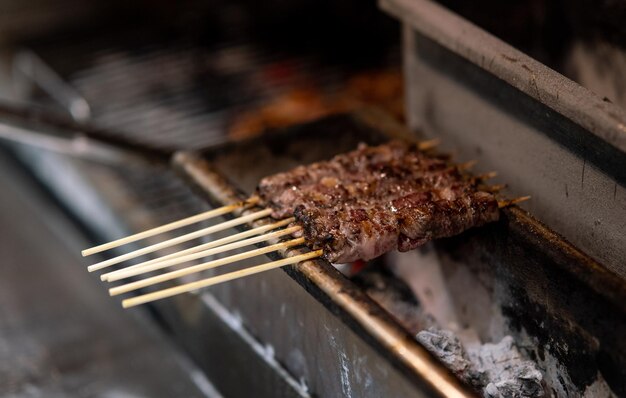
(349, 233)
(368, 173)
(356, 206)
(372, 200)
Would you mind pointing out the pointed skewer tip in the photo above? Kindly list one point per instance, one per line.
(488, 176)
(511, 202)
(467, 165)
(492, 188)
(428, 144)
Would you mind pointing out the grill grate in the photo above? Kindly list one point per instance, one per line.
(178, 95)
(173, 94)
(153, 96)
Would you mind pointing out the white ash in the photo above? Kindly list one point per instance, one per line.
(509, 374)
(410, 316)
(498, 370)
(446, 346)
(395, 297)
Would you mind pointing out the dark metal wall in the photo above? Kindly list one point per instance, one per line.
(547, 136)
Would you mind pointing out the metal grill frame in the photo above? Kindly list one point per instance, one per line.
(548, 255)
(546, 135)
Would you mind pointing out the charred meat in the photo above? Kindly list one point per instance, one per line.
(365, 203)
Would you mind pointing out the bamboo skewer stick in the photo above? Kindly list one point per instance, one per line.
(510, 202)
(236, 241)
(487, 176)
(126, 273)
(226, 277)
(202, 267)
(168, 227)
(492, 188)
(205, 246)
(428, 144)
(188, 287)
(467, 165)
(180, 239)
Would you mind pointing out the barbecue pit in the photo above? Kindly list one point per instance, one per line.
(551, 278)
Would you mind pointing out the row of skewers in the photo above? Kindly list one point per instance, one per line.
(356, 206)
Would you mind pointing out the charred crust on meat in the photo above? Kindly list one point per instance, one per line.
(364, 203)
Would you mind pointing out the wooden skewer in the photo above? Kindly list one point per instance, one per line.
(180, 239)
(168, 227)
(205, 246)
(492, 188)
(202, 267)
(428, 144)
(506, 203)
(487, 176)
(126, 273)
(467, 165)
(188, 287)
(495, 188)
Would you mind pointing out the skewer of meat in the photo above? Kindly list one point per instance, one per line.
(365, 173)
(349, 233)
(358, 205)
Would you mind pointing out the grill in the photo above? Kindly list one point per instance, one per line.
(172, 95)
(156, 109)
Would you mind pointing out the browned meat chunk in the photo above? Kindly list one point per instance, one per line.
(365, 203)
(365, 174)
(349, 233)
